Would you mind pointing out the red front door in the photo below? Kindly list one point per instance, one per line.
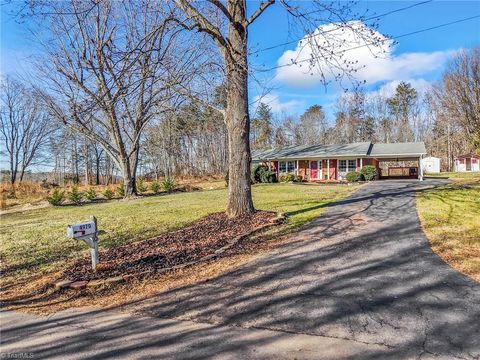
(314, 169)
(333, 169)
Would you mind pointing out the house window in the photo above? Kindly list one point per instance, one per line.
(291, 166)
(352, 165)
(287, 166)
(347, 165)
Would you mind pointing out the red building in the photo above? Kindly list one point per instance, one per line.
(467, 162)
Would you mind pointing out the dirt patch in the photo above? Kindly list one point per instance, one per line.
(184, 246)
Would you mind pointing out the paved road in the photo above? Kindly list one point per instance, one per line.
(359, 283)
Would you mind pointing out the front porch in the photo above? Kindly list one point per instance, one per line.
(320, 170)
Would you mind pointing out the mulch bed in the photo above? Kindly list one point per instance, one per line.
(174, 248)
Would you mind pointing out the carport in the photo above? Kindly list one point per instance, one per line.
(399, 160)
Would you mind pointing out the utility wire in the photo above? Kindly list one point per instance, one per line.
(327, 31)
(369, 44)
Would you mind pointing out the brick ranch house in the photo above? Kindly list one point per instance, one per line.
(333, 162)
(467, 162)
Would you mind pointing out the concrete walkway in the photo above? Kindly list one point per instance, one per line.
(359, 283)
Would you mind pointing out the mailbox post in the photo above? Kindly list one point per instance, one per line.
(88, 233)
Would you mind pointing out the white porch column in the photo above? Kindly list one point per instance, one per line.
(420, 168)
(328, 169)
(361, 163)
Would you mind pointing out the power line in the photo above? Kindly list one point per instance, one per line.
(437, 26)
(327, 31)
(373, 43)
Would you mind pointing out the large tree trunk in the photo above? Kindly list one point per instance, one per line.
(237, 118)
(129, 180)
(129, 184)
(129, 170)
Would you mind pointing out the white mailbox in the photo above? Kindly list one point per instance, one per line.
(87, 232)
(81, 230)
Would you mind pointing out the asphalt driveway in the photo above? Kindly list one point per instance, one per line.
(360, 282)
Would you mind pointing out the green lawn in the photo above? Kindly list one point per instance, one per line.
(36, 239)
(450, 216)
(455, 175)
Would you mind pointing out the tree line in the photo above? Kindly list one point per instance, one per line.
(192, 140)
(161, 88)
(445, 116)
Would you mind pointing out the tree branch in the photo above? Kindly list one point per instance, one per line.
(202, 23)
(222, 8)
(259, 11)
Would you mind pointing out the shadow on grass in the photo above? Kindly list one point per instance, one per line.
(379, 284)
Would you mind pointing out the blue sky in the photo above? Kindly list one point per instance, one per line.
(419, 58)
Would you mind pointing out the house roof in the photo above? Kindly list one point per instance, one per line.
(309, 151)
(396, 149)
(338, 150)
(469, 155)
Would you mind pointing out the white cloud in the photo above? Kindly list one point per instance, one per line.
(277, 106)
(348, 43)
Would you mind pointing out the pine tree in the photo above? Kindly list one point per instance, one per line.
(262, 130)
(401, 105)
(313, 126)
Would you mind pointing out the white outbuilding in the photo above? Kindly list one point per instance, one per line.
(430, 164)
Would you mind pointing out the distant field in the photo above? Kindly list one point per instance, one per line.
(450, 216)
(32, 193)
(36, 239)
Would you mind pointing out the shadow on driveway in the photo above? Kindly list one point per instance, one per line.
(359, 282)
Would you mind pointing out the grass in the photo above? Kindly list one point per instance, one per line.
(35, 240)
(450, 216)
(455, 175)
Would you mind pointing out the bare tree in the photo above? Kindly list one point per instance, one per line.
(190, 140)
(459, 92)
(111, 68)
(24, 127)
(227, 23)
